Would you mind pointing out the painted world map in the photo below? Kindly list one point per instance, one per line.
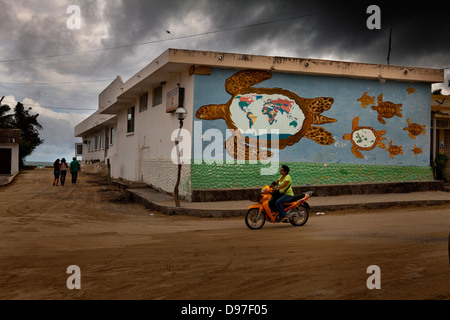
(270, 109)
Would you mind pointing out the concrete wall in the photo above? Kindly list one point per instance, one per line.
(325, 152)
(109, 94)
(145, 154)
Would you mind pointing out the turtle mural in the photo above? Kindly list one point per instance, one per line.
(387, 109)
(414, 129)
(252, 112)
(366, 100)
(394, 150)
(416, 150)
(364, 138)
(410, 90)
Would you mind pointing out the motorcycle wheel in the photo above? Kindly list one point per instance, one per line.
(255, 219)
(299, 216)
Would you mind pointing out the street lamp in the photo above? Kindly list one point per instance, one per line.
(181, 114)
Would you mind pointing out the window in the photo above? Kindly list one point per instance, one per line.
(130, 120)
(143, 100)
(106, 136)
(111, 136)
(157, 96)
(102, 141)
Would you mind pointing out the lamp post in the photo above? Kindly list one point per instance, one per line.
(181, 114)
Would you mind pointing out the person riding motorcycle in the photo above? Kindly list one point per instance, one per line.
(282, 193)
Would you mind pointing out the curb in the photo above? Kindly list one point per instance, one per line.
(227, 213)
(173, 210)
(380, 205)
(10, 179)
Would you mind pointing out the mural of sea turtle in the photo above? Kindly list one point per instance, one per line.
(366, 100)
(387, 109)
(364, 138)
(252, 112)
(394, 150)
(416, 150)
(410, 90)
(414, 129)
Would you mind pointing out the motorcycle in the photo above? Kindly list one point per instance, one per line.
(297, 210)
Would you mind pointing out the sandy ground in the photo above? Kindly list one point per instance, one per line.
(125, 251)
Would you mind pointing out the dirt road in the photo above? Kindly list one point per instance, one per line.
(125, 251)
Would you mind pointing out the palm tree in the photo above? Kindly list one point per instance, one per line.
(6, 120)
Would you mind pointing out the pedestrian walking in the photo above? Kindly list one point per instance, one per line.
(56, 172)
(63, 171)
(74, 169)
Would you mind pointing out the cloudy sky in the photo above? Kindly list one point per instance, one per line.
(59, 70)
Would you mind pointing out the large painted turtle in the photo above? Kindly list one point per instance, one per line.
(252, 112)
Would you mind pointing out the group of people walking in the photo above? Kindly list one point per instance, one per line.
(60, 168)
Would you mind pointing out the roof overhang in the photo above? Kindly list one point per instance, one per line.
(94, 123)
(10, 136)
(175, 61)
(307, 66)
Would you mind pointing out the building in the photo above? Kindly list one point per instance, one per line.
(97, 131)
(332, 122)
(440, 125)
(9, 151)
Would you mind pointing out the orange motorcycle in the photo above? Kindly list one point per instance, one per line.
(297, 210)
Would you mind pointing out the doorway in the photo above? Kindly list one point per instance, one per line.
(5, 160)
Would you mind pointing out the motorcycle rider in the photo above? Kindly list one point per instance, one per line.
(285, 192)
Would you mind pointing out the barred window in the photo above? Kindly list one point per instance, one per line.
(143, 100)
(157, 96)
(130, 120)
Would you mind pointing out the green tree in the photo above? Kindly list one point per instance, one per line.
(29, 127)
(439, 166)
(6, 119)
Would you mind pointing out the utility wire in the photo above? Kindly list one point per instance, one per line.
(31, 105)
(56, 83)
(61, 108)
(175, 38)
(51, 107)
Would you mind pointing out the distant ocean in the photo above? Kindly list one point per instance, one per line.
(39, 164)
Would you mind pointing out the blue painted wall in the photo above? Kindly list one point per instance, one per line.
(210, 89)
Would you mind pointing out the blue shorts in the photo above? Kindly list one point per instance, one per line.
(56, 173)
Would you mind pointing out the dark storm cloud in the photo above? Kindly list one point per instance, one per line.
(119, 37)
(340, 27)
(322, 27)
(135, 21)
(310, 29)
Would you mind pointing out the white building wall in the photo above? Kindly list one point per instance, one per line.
(145, 155)
(15, 158)
(124, 162)
(110, 93)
